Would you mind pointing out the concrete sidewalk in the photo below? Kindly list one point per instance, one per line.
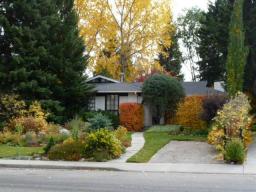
(137, 167)
(137, 144)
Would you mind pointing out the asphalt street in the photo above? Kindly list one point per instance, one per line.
(34, 180)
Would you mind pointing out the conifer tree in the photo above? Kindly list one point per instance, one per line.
(171, 57)
(237, 50)
(42, 55)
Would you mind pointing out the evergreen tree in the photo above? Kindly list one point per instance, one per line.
(237, 51)
(213, 44)
(42, 56)
(171, 57)
(250, 24)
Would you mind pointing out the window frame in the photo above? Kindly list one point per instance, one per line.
(113, 106)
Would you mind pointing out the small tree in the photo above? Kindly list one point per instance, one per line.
(163, 93)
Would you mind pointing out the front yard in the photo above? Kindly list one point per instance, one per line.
(157, 137)
(11, 151)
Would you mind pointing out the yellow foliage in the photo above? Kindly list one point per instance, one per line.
(189, 113)
(36, 110)
(121, 34)
(233, 121)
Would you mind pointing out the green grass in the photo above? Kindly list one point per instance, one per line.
(10, 151)
(164, 128)
(155, 140)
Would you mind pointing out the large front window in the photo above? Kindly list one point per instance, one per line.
(112, 103)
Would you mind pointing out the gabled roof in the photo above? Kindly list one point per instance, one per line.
(118, 87)
(114, 86)
(101, 77)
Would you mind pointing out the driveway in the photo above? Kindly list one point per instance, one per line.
(186, 152)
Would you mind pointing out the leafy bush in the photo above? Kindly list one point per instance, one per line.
(112, 116)
(121, 134)
(29, 123)
(234, 151)
(163, 93)
(11, 106)
(100, 121)
(189, 114)
(132, 116)
(211, 105)
(10, 138)
(233, 121)
(102, 145)
(68, 151)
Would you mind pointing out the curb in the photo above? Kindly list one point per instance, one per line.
(132, 167)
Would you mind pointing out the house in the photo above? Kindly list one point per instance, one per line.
(111, 93)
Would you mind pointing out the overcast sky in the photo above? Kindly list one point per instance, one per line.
(178, 6)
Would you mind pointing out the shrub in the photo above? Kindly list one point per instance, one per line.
(77, 127)
(112, 116)
(121, 134)
(102, 145)
(211, 105)
(68, 151)
(11, 106)
(233, 121)
(163, 93)
(234, 151)
(100, 121)
(49, 145)
(10, 138)
(132, 116)
(29, 123)
(30, 139)
(189, 114)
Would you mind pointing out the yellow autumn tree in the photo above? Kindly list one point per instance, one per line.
(123, 36)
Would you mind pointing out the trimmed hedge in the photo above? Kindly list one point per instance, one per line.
(132, 116)
(189, 114)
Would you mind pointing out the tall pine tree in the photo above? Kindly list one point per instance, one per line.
(213, 44)
(42, 56)
(237, 51)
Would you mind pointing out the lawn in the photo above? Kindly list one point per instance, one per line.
(158, 137)
(10, 151)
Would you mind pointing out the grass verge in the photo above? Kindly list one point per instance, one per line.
(11, 151)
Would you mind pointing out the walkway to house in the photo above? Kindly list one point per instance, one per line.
(186, 152)
(137, 143)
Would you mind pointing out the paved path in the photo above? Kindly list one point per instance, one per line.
(36, 180)
(137, 143)
(186, 152)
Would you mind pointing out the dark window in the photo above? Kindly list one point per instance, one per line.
(91, 104)
(112, 103)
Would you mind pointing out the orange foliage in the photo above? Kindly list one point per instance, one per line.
(189, 113)
(132, 116)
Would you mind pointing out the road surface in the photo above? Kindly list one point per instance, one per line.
(33, 180)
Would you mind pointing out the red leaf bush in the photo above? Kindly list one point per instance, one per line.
(132, 116)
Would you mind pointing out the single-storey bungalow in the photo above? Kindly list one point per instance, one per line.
(111, 93)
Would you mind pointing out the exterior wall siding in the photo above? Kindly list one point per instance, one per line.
(131, 98)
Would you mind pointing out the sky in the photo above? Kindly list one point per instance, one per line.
(178, 6)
